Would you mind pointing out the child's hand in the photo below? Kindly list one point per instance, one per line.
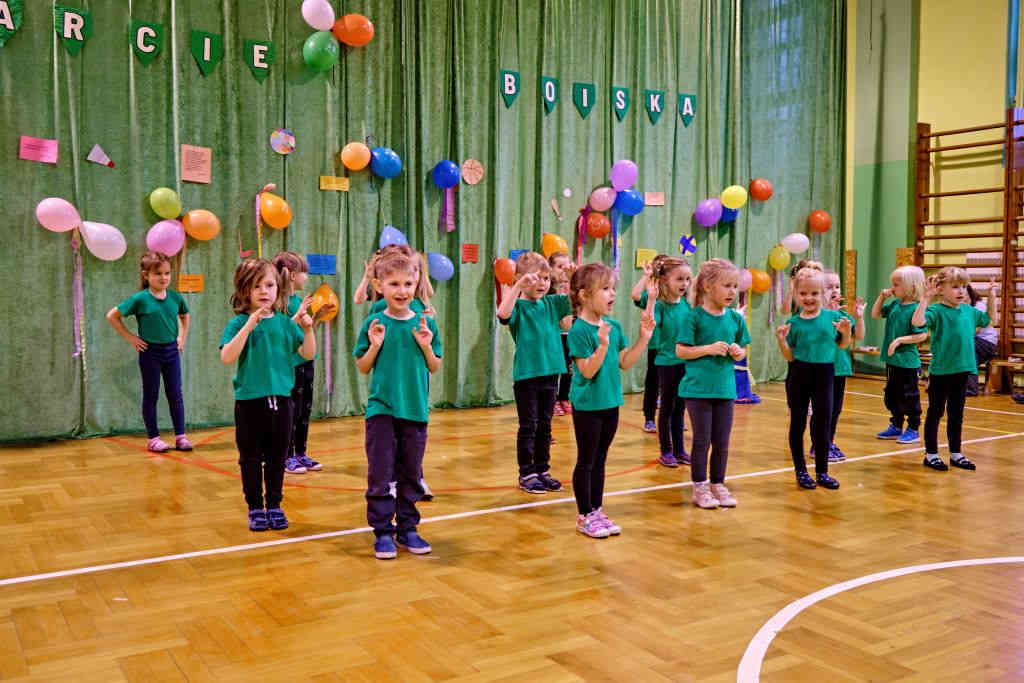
(430, 312)
(648, 271)
(423, 334)
(653, 289)
(843, 325)
(565, 323)
(181, 344)
(859, 307)
(137, 343)
(894, 347)
(304, 306)
(527, 281)
(781, 332)
(646, 325)
(376, 333)
(931, 287)
(306, 322)
(603, 329)
(254, 317)
(324, 311)
(718, 348)
(736, 351)
(885, 293)
(993, 284)
(368, 270)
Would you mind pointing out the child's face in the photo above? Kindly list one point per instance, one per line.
(600, 299)
(299, 280)
(832, 290)
(677, 281)
(264, 292)
(898, 290)
(560, 268)
(398, 288)
(953, 294)
(809, 294)
(722, 291)
(541, 285)
(159, 277)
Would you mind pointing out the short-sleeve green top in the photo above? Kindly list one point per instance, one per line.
(656, 337)
(813, 340)
(604, 389)
(711, 376)
(952, 343)
(897, 324)
(669, 320)
(844, 365)
(535, 328)
(266, 365)
(157, 318)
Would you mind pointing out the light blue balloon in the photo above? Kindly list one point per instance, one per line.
(441, 267)
(392, 235)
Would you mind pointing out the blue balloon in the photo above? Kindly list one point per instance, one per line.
(385, 162)
(446, 174)
(728, 215)
(629, 202)
(440, 266)
(392, 235)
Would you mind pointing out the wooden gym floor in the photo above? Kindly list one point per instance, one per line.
(511, 592)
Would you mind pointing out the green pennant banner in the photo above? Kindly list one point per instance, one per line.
(12, 16)
(147, 40)
(549, 92)
(208, 50)
(509, 87)
(620, 101)
(654, 103)
(259, 55)
(583, 96)
(73, 27)
(687, 108)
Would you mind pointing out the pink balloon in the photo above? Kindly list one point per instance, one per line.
(602, 198)
(746, 279)
(57, 214)
(104, 241)
(624, 174)
(166, 237)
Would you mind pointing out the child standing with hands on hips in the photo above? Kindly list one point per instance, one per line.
(163, 321)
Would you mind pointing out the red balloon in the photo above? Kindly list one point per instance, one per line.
(819, 221)
(598, 225)
(505, 271)
(353, 29)
(760, 189)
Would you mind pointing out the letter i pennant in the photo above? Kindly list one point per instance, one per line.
(208, 50)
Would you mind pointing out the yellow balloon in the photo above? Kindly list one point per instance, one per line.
(165, 202)
(733, 197)
(325, 304)
(778, 257)
(551, 243)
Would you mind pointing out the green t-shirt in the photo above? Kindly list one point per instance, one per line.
(399, 383)
(952, 342)
(656, 337)
(813, 340)
(381, 305)
(534, 327)
(711, 376)
(157, 318)
(669, 320)
(294, 301)
(897, 324)
(844, 365)
(265, 366)
(604, 389)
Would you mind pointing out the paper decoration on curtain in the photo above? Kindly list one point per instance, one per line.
(78, 298)
(73, 27)
(620, 101)
(687, 244)
(654, 199)
(147, 40)
(196, 164)
(472, 171)
(192, 284)
(645, 256)
(336, 183)
(581, 231)
(470, 253)
(259, 55)
(583, 96)
(37, 149)
(208, 50)
(509, 87)
(514, 254)
(654, 103)
(282, 141)
(12, 16)
(549, 92)
(98, 156)
(687, 108)
(322, 264)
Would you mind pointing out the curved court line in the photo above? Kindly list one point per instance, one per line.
(749, 670)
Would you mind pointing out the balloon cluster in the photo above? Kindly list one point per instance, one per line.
(383, 162)
(168, 236)
(726, 207)
(59, 215)
(321, 50)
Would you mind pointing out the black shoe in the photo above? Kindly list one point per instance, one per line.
(531, 484)
(824, 479)
(936, 464)
(549, 482)
(963, 463)
(803, 478)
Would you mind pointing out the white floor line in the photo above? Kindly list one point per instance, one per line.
(440, 518)
(749, 670)
(982, 410)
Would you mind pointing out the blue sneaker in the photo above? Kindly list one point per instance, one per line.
(276, 518)
(384, 548)
(668, 460)
(890, 433)
(650, 427)
(258, 520)
(412, 542)
(293, 466)
(309, 463)
(909, 436)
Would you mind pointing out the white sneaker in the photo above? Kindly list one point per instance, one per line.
(702, 496)
(725, 498)
(591, 525)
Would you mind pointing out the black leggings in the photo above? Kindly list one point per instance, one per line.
(651, 386)
(943, 391)
(670, 415)
(263, 432)
(535, 403)
(809, 383)
(838, 394)
(711, 421)
(302, 399)
(595, 430)
(902, 396)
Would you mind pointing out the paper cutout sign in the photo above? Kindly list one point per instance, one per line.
(282, 141)
(330, 182)
(208, 50)
(687, 244)
(322, 264)
(12, 16)
(37, 149)
(196, 164)
(620, 102)
(654, 103)
(259, 55)
(514, 254)
(687, 108)
(644, 256)
(654, 198)
(472, 171)
(549, 92)
(583, 96)
(147, 40)
(190, 283)
(509, 87)
(470, 253)
(98, 156)
(73, 27)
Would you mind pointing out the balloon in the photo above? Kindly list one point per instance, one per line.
(391, 235)
(623, 175)
(729, 215)
(760, 189)
(746, 279)
(166, 237)
(321, 51)
(602, 198)
(385, 163)
(778, 257)
(446, 174)
(796, 243)
(324, 296)
(760, 281)
(275, 211)
(598, 225)
(629, 202)
(733, 197)
(58, 215)
(104, 241)
(318, 13)
(165, 202)
(353, 29)
(201, 224)
(550, 243)
(355, 156)
(505, 271)
(440, 266)
(709, 212)
(819, 221)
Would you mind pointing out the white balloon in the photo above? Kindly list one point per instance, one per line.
(104, 241)
(796, 243)
(319, 14)
(566, 193)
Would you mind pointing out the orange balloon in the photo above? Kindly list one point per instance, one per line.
(761, 189)
(505, 271)
(819, 221)
(324, 296)
(551, 243)
(355, 156)
(353, 29)
(598, 225)
(760, 281)
(201, 224)
(275, 211)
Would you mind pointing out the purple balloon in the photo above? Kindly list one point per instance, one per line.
(166, 237)
(623, 175)
(709, 212)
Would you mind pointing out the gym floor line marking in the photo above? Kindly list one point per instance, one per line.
(983, 410)
(440, 518)
(749, 670)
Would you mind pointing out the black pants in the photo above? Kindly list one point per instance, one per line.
(903, 397)
(711, 422)
(263, 431)
(302, 398)
(838, 394)
(670, 414)
(565, 379)
(809, 383)
(394, 456)
(595, 430)
(535, 403)
(651, 387)
(943, 391)
(984, 351)
(165, 360)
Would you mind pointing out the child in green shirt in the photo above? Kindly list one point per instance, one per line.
(670, 281)
(640, 300)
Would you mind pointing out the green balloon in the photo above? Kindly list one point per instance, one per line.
(165, 202)
(320, 51)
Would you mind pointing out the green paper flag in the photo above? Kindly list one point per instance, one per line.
(147, 40)
(583, 96)
(73, 26)
(259, 55)
(620, 101)
(12, 15)
(549, 92)
(208, 49)
(687, 107)
(654, 103)
(509, 87)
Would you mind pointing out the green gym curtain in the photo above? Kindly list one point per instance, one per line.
(768, 76)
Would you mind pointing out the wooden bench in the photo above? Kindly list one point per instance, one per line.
(998, 370)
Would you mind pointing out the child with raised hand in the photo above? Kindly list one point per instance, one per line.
(401, 348)
(899, 352)
(670, 280)
(264, 341)
(986, 340)
(597, 345)
(163, 320)
(533, 317)
(710, 339)
(810, 341)
(561, 270)
(640, 298)
(952, 324)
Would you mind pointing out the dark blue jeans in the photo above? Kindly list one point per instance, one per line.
(157, 360)
(535, 403)
(394, 454)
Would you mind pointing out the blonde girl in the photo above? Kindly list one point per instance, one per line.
(562, 268)
(640, 297)
(672, 276)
